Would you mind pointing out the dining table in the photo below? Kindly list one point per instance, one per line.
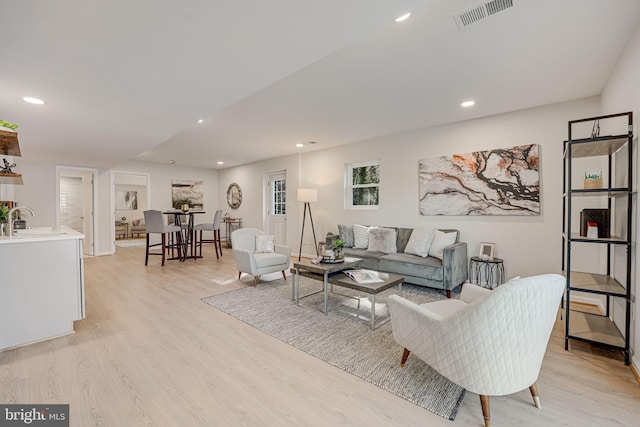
(187, 232)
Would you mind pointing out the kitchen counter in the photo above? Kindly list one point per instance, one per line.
(41, 285)
(38, 234)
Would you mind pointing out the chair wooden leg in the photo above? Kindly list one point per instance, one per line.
(284, 276)
(164, 247)
(486, 410)
(256, 279)
(239, 274)
(146, 257)
(405, 356)
(215, 242)
(534, 393)
(448, 293)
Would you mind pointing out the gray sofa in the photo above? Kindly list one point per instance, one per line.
(445, 274)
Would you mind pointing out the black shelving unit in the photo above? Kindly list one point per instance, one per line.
(596, 328)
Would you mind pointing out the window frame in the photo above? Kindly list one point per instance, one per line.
(349, 187)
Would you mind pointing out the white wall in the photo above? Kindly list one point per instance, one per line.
(250, 178)
(528, 244)
(622, 94)
(38, 191)
(161, 176)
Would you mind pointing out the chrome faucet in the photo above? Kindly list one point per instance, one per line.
(10, 216)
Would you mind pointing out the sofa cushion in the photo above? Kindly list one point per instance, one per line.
(369, 259)
(346, 235)
(420, 242)
(440, 241)
(382, 240)
(360, 236)
(412, 265)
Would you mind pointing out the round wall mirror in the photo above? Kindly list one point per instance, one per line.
(234, 196)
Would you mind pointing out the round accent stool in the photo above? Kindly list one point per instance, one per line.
(487, 273)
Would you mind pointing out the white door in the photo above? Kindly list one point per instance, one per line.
(76, 204)
(277, 209)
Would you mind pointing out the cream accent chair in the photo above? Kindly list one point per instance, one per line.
(243, 242)
(489, 342)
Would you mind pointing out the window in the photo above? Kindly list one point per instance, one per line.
(279, 197)
(362, 185)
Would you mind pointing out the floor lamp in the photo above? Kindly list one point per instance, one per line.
(307, 195)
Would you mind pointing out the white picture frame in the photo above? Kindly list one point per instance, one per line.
(487, 250)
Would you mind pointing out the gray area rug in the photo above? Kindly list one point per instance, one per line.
(343, 337)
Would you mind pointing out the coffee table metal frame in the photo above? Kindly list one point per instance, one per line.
(320, 269)
(332, 274)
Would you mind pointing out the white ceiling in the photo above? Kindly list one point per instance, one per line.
(129, 79)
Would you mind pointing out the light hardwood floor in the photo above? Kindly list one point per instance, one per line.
(151, 353)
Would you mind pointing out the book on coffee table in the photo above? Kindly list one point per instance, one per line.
(364, 276)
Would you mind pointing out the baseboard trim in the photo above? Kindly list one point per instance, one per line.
(634, 368)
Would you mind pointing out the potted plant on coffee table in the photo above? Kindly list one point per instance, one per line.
(339, 245)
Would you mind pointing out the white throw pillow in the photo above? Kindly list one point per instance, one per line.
(360, 236)
(382, 240)
(440, 241)
(265, 244)
(419, 242)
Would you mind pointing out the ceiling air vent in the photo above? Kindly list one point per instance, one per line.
(480, 11)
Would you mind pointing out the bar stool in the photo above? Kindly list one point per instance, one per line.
(215, 228)
(155, 225)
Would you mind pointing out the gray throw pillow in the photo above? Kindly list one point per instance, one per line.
(382, 240)
(346, 235)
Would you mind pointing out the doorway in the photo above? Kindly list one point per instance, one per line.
(276, 206)
(129, 199)
(76, 203)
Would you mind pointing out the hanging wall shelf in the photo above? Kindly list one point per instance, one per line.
(9, 146)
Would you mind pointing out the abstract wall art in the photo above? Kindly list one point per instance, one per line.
(126, 200)
(503, 181)
(184, 189)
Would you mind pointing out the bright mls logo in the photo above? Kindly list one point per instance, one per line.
(34, 415)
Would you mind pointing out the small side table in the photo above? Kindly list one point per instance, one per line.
(486, 273)
(233, 224)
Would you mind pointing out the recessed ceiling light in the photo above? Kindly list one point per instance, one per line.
(403, 17)
(468, 103)
(33, 100)
(221, 163)
(299, 145)
(200, 120)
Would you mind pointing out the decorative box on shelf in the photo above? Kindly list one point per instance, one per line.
(592, 180)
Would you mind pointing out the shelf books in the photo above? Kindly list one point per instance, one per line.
(364, 276)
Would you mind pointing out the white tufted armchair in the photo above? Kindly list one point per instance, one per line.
(489, 342)
(248, 261)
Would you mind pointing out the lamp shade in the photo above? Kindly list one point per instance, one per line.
(307, 195)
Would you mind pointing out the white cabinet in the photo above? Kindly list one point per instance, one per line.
(41, 288)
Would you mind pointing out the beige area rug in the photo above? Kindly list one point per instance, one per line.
(343, 337)
(247, 279)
